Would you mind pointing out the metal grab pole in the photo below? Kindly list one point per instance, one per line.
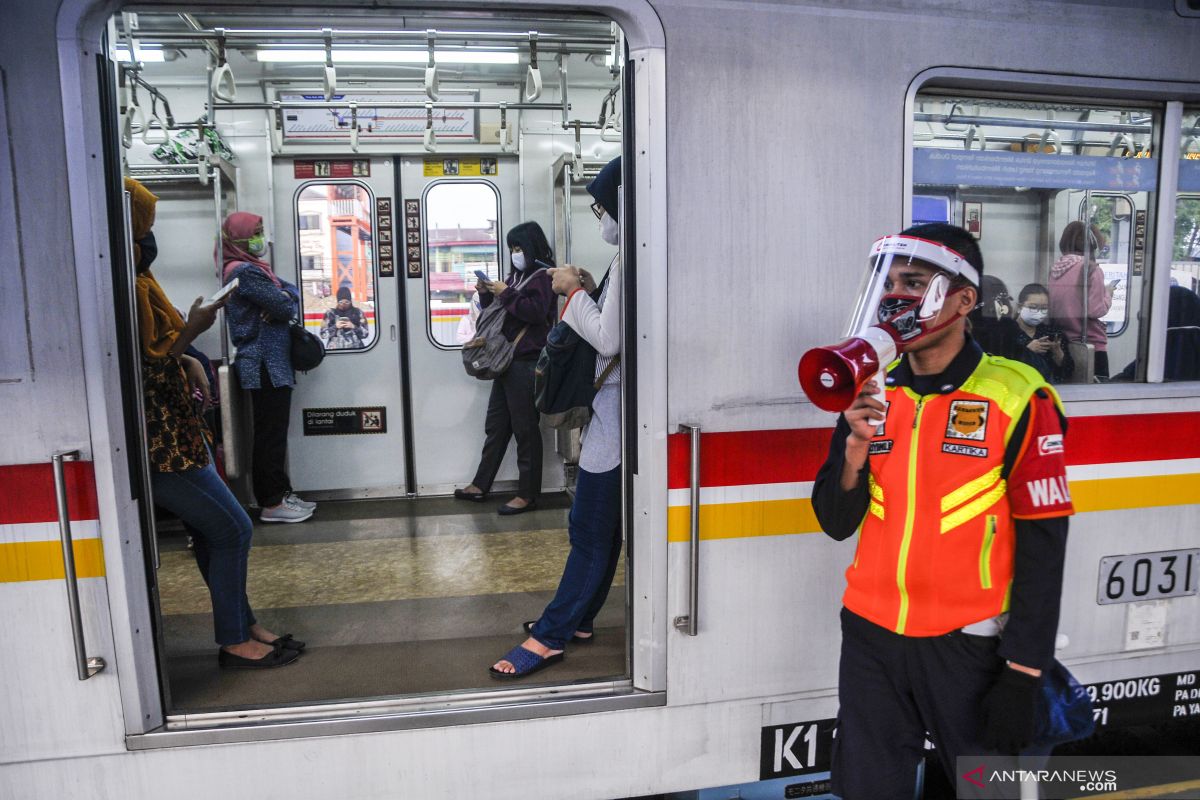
(688, 623)
(85, 667)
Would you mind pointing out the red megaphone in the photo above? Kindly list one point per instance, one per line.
(833, 376)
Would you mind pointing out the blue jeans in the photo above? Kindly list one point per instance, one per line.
(594, 528)
(221, 535)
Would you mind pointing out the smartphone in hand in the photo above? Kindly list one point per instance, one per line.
(223, 292)
(483, 276)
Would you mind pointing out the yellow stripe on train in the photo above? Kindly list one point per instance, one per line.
(795, 516)
(43, 561)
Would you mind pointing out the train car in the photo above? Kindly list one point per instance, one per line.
(389, 147)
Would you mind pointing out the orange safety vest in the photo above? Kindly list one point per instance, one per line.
(935, 551)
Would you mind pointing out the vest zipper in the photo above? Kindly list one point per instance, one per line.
(910, 514)
(985, 553)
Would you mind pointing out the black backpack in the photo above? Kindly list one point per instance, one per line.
(564, 380)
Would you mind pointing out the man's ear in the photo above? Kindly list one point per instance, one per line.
(968, 299)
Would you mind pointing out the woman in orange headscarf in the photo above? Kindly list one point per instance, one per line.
(182, 474)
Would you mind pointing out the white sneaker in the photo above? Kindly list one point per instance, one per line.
(284, 512)
(294, 500)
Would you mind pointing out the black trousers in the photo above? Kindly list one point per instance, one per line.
(272, 408)
(893, 690)
(511, 413)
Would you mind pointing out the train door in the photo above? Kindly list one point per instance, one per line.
(328, 235)
(456, 211)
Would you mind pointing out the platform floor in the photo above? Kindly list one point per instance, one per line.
(393, 597)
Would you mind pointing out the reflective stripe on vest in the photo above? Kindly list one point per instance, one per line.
(935, 551)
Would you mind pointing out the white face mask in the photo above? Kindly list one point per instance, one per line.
(610, 231)
(518, 261)
(1032, 317)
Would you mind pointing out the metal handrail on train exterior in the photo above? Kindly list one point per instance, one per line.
(85, 666)
(689, 623)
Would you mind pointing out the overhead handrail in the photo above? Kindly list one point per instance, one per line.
(135, 117)
(1122, 140)
(330, 76)
(202, 151)
(255, 36)
(1019, 122)
(223, 86)
(972, 132)
(431, 74)
(155, 123)
(85, 666)
(533, 78)
(503, 135)
(430, 138)
(418, 104)
(689, 623)
(354, 126)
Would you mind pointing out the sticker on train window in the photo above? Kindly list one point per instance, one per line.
(1148, 576)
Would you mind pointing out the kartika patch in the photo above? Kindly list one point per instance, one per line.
(968, 420)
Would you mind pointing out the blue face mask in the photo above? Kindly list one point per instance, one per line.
(149, 251)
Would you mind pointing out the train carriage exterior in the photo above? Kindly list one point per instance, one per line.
(765, 146)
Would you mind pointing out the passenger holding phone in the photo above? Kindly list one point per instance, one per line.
(1041, 345)
(1078, 293)
(344, 326)
(530, 305)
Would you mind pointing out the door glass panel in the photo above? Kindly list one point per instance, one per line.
(336, 252)
(462, 221)
(1058, 195)
(1183, 307)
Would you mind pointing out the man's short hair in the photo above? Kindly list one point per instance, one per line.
(957, 239)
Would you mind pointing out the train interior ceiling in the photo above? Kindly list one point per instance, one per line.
(387, 156)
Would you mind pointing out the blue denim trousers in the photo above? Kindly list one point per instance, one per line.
(594, 527)
(221, 533)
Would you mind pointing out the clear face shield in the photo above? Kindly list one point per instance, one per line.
(905, 287)
(907, 282)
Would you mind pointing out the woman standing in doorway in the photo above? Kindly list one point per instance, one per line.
(530, 303)
(258, 314)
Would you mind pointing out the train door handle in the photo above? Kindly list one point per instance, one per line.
(85, 667)
(688, 623)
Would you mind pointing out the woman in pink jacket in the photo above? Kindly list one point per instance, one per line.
(1073, 274)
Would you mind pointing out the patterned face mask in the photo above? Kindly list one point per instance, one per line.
(256, 245)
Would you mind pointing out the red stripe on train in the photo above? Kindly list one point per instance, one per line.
(744, 458)
(28, 493)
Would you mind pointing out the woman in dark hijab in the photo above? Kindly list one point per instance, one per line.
(530, 305)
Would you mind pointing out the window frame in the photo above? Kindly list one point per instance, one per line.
(501, 248)
(1169, 98)
(373, 262)
(1128, 198)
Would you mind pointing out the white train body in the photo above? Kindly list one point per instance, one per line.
(770, 145)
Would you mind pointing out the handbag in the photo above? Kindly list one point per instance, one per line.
(1064, 709)
(307, 350)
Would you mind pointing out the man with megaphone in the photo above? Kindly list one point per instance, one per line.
(951, 460)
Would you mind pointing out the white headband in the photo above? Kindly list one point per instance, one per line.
(935, 253)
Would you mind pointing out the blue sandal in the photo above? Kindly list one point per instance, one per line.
(525, 662)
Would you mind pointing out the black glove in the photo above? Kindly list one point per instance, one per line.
(1008, 712)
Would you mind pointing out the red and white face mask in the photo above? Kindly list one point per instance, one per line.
(901, 295)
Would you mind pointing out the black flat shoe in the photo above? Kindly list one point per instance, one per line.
(507, 511)
(528, 626)
(279, 657)
(474, 497)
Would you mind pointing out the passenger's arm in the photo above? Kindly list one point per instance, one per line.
(599, 327)
(1099, 296)
(840, 511)
(533, 303)
(256, 288)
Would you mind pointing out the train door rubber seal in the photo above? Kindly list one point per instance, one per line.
(410, 459)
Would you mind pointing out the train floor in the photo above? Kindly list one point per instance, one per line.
(393, 597)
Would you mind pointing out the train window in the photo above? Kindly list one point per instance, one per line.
(1058, 196)
(462, 224)
(335, 244)
(1183, 305)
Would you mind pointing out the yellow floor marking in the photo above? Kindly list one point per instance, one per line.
(377, 570)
